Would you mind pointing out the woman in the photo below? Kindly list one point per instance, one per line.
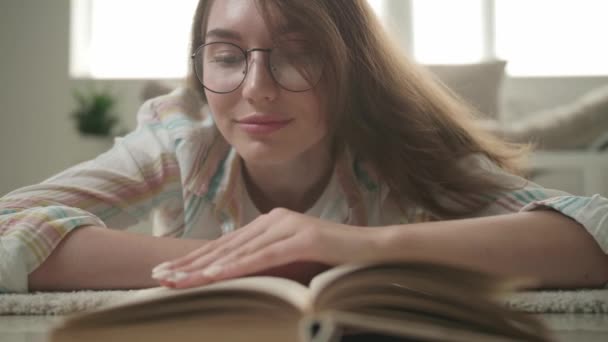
(302, 139)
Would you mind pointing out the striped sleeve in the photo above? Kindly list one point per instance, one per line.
(116, 190)
(590, 212)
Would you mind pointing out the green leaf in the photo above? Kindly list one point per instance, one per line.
(95, 112)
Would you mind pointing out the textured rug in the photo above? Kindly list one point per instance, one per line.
(64, 303)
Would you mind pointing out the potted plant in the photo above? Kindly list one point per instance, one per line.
(95, 113)
(96, 121)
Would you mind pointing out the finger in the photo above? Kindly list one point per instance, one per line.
(277, 254)
(166, 283)
(305, 243)
(188, 258)
(252, 246)
(183, 260)
(274, 255)
(208, 256)
(259, 222)
(245, 244)
(256, 238)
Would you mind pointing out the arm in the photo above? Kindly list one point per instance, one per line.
(562, 247)
(113, 190)
(530, 230)
(100, 258)
(543, 244)
(116, 189)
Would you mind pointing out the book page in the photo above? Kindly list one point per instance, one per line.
(236, 327)
(322, 280)
(481, 284)
(432, 292)
(249, 292)
(412, 329)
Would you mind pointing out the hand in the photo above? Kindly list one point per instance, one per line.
(270, 242)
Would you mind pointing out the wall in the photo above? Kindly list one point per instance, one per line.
(37, 139)
(35, 90)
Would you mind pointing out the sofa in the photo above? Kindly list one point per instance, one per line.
(570, 140)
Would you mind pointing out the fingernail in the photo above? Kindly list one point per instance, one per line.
(161, 274)
(162, 267)
(177, 276)
(212, 271)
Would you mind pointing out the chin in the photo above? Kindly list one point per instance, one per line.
(265, 153)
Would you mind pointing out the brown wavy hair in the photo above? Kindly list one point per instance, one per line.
(391, 112)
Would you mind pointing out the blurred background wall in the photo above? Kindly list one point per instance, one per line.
(37, 137)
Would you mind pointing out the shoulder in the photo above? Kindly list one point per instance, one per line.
(174, 119)
(182, 102)
(179, 126)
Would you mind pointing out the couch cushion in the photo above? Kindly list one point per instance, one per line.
(581, 124)
(479, 84)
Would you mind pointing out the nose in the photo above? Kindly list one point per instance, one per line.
(259, 85)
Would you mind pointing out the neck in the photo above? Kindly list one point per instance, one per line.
(294, 185)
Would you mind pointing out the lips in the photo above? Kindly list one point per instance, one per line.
(258, 123)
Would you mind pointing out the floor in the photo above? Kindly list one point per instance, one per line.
(567, 327)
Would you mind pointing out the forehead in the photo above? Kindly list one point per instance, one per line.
(228, 11)
(245, 18)
(234, 14)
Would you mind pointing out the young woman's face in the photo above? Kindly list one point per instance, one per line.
(263, 121)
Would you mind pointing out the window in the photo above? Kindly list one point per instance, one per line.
(552, 37)
(537, 38)
(378, 7)
(447, 31)
(114, 39)
(130, 38)
(118, 39)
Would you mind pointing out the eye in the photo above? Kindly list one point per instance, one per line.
(222, 55)
(229, 58)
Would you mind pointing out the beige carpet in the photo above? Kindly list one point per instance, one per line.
(62, 303)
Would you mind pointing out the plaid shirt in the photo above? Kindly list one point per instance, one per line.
(176, 168)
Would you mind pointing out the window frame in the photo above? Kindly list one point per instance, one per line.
(397, 15)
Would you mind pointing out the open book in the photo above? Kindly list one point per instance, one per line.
(372, 302)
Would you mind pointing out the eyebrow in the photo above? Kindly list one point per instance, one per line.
(229, 34)
(223, 33)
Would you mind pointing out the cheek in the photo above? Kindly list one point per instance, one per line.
(318, 108)
(220, 105)
(215, 102)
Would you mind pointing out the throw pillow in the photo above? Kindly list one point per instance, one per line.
(581, 124)
(479, 84)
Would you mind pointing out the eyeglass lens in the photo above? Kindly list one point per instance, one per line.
(222, 67)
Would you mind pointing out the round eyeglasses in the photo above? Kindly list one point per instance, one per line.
(221, 67)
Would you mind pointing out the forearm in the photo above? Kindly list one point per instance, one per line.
(543, 244)
(101, 258)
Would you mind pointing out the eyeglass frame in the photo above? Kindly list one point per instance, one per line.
(247, 54)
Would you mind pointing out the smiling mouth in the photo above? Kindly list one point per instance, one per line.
(262, 123)
(259, 126)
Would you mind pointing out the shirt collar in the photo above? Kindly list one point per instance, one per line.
(216, 176)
